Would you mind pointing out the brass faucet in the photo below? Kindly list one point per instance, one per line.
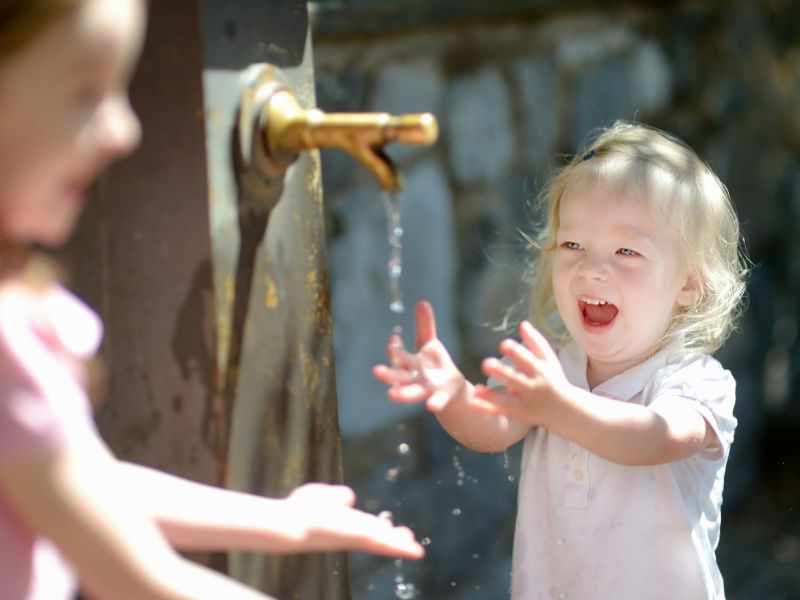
(288, 128)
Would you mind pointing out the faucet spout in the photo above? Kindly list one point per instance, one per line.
(288, 129)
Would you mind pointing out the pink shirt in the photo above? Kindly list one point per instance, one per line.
(45, 340)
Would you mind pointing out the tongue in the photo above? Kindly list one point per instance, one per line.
(600, 314)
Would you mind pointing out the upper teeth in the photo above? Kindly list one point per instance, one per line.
(593, 301)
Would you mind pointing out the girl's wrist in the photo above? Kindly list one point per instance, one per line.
(554, 404)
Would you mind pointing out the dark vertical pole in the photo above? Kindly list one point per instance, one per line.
(143, 258)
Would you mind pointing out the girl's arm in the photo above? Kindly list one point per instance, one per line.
(313, 518)
(429, 375)
(538, 393)
(76, 498)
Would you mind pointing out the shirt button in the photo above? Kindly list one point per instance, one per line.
(577, 474)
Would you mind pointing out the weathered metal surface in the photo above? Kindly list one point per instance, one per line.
(276, 405)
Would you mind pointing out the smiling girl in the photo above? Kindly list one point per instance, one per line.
(628, 426)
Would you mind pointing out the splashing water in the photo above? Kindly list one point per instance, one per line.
(405, 591)
(461, 474)
(507, 465)
(402, 589)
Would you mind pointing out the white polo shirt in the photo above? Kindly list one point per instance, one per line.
(590, 529)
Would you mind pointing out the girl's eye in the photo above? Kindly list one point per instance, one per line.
(571, 245)
(628, 252)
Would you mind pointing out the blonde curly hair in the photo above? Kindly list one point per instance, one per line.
(685, 194)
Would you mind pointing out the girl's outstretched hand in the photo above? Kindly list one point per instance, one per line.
(427, 375)
(532, 382)
(328, 521)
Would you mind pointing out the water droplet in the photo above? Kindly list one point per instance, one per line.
(395, 265)
(456, 512)
(511, 478)
(386, 514)
(391, 474)
(452, 584)
(403, 449)
(405, 591)
(426, 541)
(476, 556)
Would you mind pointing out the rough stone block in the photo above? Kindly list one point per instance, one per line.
(479, 127)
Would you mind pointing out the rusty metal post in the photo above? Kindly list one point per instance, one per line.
(277, 414)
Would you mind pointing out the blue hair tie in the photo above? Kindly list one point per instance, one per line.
(589, 154)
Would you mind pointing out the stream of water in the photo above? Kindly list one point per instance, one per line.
(404, 590)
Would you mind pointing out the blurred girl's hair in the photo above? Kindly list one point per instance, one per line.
(23, 20)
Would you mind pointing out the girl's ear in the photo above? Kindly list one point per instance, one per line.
(690, 292)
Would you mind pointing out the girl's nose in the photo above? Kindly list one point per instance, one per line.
(593, 268)
(119, 130)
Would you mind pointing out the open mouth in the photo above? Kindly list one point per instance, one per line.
(597, 312)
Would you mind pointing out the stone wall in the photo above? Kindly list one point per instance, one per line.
(511, 96)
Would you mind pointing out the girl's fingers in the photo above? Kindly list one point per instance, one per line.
(426, 324)
(524, 360)
(397, 353)
(394, 376)
(536, 342)
(394, 541)
(385, 374)
(437, 401)
(493, 367)
(492, 401)
(341, 494)
(409, 394)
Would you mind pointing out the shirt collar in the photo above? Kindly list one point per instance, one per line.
(624, 386)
